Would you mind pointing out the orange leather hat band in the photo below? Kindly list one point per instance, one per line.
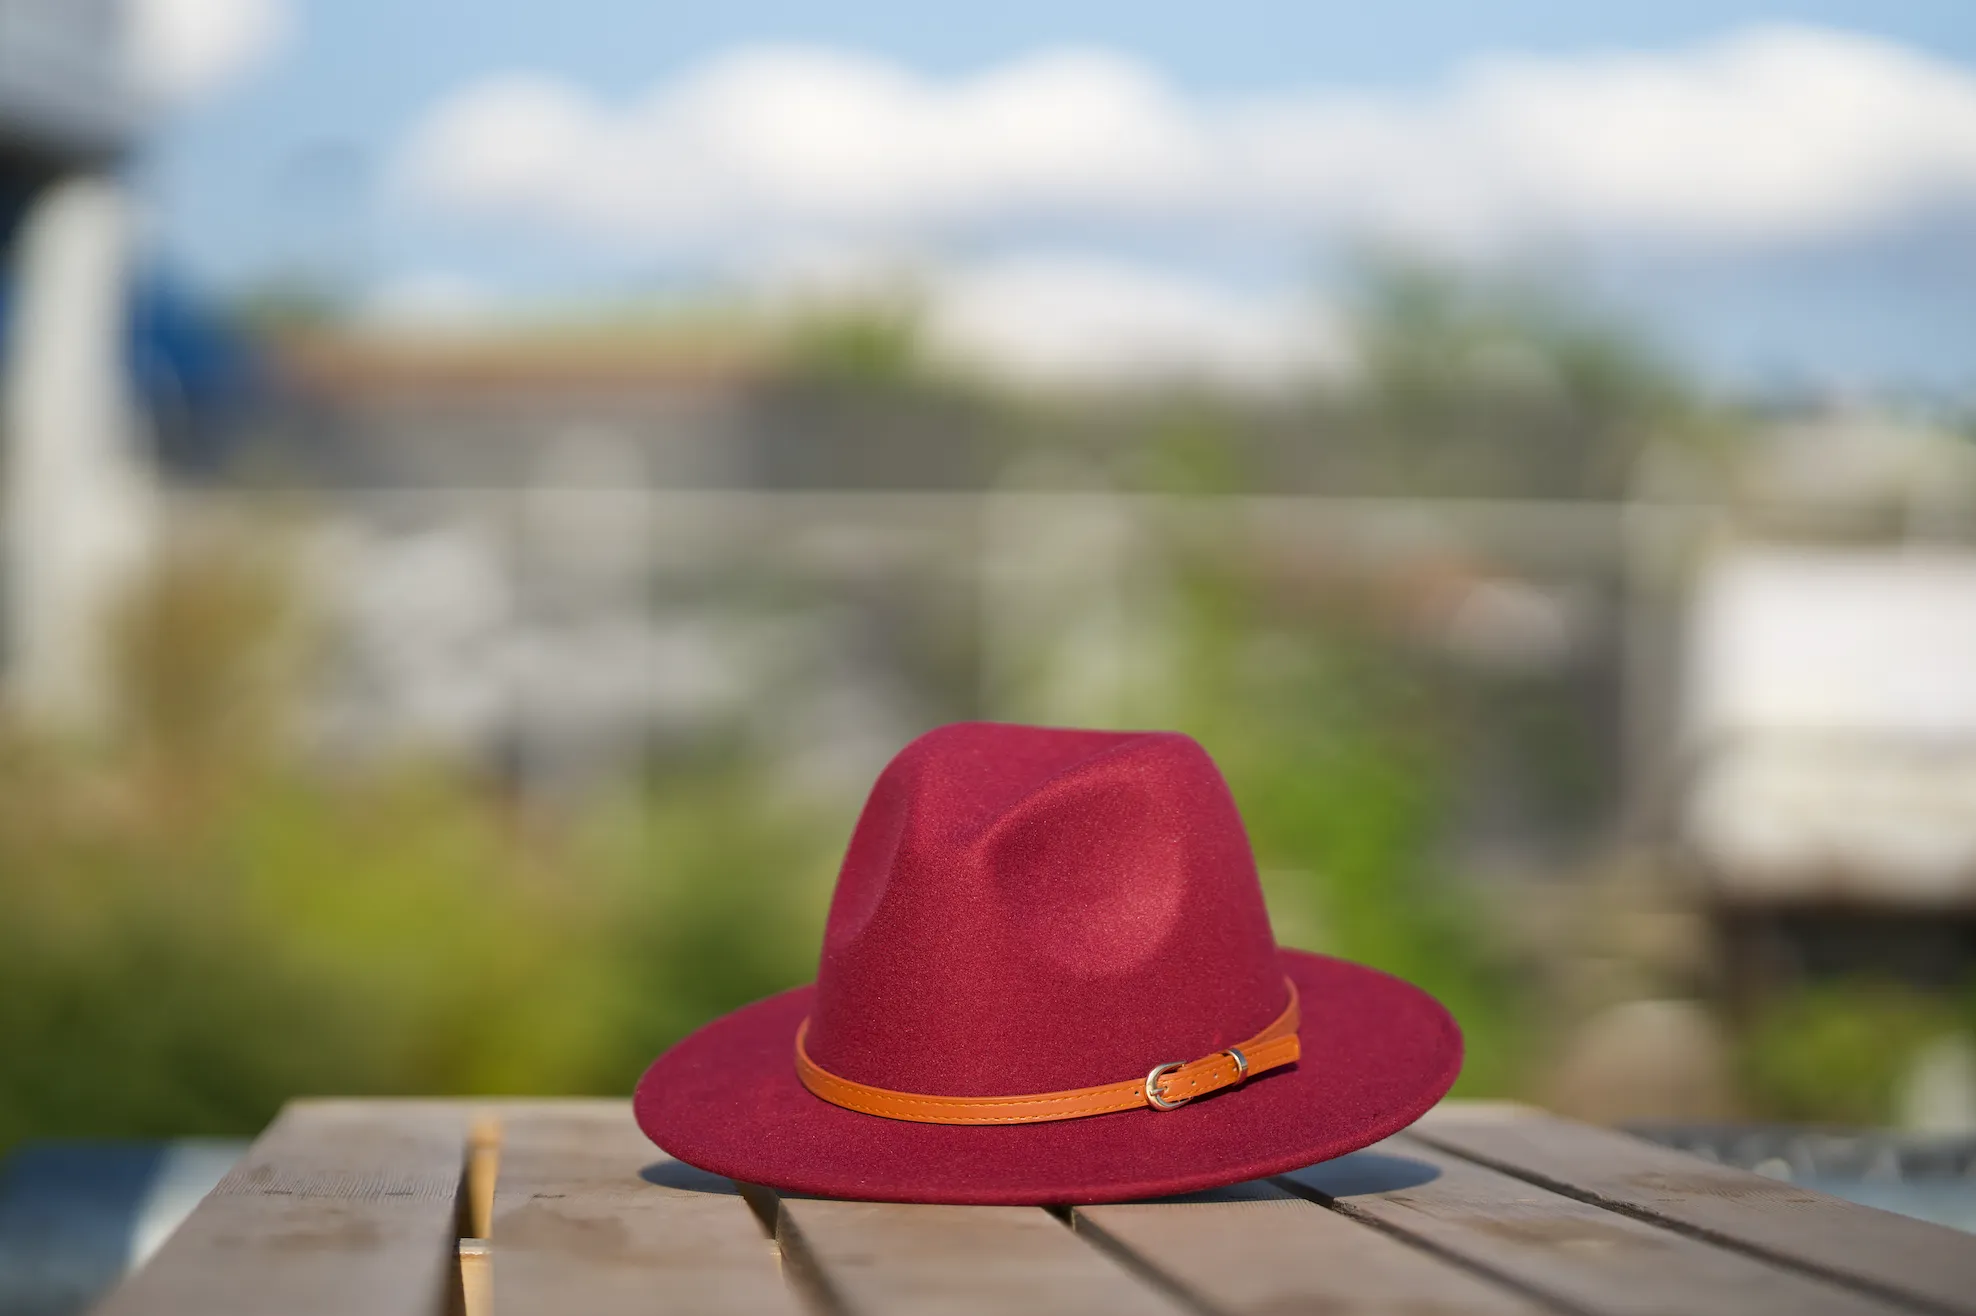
(1166, 1087)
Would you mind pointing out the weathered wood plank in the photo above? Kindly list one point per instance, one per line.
(341, 1208)
(1925, 1263)
(590, 1217)
(880, 1258)
(1570, 1252)
(1254, 1249)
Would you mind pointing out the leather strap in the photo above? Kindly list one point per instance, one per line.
(1165, 1088)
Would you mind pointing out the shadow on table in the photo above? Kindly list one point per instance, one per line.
(680, 1175)
(1363, 1173)
(1355, 1175)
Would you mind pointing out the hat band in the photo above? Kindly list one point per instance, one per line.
(1166, 1087)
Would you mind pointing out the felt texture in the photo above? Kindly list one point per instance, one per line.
(1026, 910)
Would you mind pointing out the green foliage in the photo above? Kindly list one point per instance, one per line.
(1336, 748)
(194, 925)
(1836, 1052)
(165, 972)
(867, 344)
(291, 302)
(716, 894)
(182, 965)
(194, 928)
(1506, 387)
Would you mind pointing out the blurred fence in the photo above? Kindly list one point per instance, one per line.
(566, 632)
(565, 635)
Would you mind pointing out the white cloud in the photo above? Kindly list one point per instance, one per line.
(182, 51)
(1792, 132)
(1771, 134)
(1065, 320)
(779, 143)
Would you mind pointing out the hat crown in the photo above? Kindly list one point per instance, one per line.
(1025, 909)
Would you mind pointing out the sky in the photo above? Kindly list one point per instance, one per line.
(1782, 196)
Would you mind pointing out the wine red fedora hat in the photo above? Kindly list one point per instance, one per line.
(1048, 976)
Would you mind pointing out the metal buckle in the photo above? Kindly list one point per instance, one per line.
(1153, 1087)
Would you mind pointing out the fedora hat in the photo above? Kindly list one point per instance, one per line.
(1048, 977)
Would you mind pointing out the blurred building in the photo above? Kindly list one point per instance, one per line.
(1826, 701)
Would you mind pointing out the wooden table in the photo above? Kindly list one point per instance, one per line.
(360, 1208)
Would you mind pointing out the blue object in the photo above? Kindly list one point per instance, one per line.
(1928, 1176)
(75, 1217)
(194, 374)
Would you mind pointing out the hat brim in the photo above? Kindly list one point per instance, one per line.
(1376, 1053)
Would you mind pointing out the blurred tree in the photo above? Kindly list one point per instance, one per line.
(1335, 742)
(289, 303)
(1503, 387)
(871, 344)
(1837, 1052)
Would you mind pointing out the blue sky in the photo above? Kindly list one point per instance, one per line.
(300, 159)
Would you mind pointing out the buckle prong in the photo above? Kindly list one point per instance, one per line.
(1153, 1096)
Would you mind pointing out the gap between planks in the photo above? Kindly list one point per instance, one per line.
(1574, 1255)
(1259, 1247)
(842, 1257)
(586, 1215)
(891, 1258)
(1256, 1249)
(1922, 1265)
(569, 1190)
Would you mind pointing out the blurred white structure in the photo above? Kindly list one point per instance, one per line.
(1938, 1092)
(79, 503)
(77, 514)
(1832, 713)
(1828, 709)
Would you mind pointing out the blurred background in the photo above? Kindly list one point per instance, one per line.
(483, 489)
